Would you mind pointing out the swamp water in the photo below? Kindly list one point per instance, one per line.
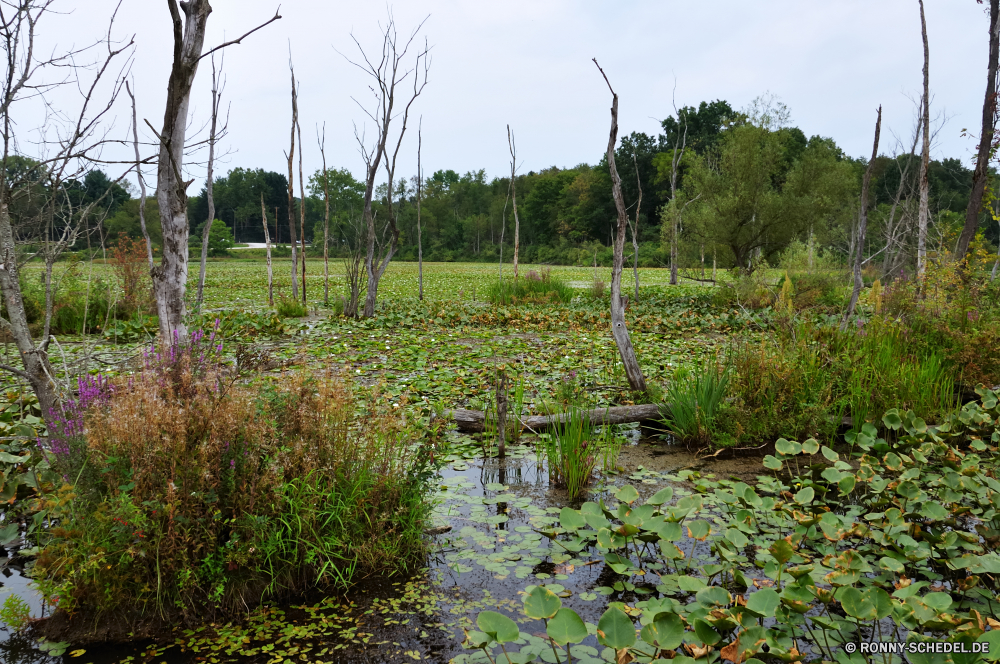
(491, 554)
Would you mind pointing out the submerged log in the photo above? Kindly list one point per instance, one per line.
(473, 421)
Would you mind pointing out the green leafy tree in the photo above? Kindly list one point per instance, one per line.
(220, 239)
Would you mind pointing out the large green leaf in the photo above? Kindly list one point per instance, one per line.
(570, 519)
(805, 496)
(699, 529)
(665, 632)
(627, 494)
(615, 629)
(566, 627)
(498, 627)
(713, 596)
(706, 632)
(993, 638)
(856, 604)
(764, 602)
(541, 603)
(661, 496)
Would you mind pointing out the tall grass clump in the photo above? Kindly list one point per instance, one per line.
(693, 401)
(533, 288)
(194, 493)
(288, 307)
(571, 449)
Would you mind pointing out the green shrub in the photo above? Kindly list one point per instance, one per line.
(288, 307)
(693, 402)
(209, 494)
(532, 288)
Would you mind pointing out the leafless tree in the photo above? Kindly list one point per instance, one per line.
(217, 87)
(925, 156)
(980, 176)
(170, 276)
(54, 222)
(618, 327)
(291, 182)
(680, 146)
(503, 227)
(862, 226)
(387, 72)
(326, 218)
(420, 182)
(635, 229)
(267, 243)
(513, 191)
(302, 202)
(140, 178)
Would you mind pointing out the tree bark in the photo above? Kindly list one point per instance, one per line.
(513, 189)
(618, 327)
(635, 230)
(209, 191)
(420, 243)
(862, 226)
(980, 176)
(170, 276)
(291, 188)
(326, 222)
(267, 241)
(474, 420)
(923, 214)
(302, 201)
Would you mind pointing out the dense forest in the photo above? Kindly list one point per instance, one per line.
(747, 186)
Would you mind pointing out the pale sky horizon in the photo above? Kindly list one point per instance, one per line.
(528, 63)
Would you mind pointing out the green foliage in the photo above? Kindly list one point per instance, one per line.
(571, 449)
(693, 401)
(288, 307)
(15, 613)
(880, 540)
(281, 489)
(532, 288)
(220, 239)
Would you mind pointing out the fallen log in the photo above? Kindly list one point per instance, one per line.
(473, 421)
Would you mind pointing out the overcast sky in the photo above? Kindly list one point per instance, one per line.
(528, 63)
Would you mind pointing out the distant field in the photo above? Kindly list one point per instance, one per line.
(243, 283)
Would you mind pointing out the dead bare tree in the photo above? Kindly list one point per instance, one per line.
(680, 146)
(618, 327)
(420, 242)
(326, 218)
(980, 176)
(170, 276)
(217, 86)
(387, 72)
(503, 228)
(302, 201)
(897, 228)
(513, 190)
(862, 226)
(267, 243)
(54, 221)
(140, 178)
(925, 156)
(291, 182)
(635, 229)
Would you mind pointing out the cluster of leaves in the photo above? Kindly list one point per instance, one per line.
(896, 541)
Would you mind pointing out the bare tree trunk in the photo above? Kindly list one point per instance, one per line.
(291, 187)
(387, 74)
(925, 157)
(618, 327)
(170, 276)
(142, 181)
(209, 186)
(513, 189)
(635, 230)
(713, 264)
(503, 228)
(981, 176)
(862, 227)
(302, 202)
(420, 243)
(267, 241)
(326, 222)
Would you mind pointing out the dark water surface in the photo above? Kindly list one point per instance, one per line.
(491, 553)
